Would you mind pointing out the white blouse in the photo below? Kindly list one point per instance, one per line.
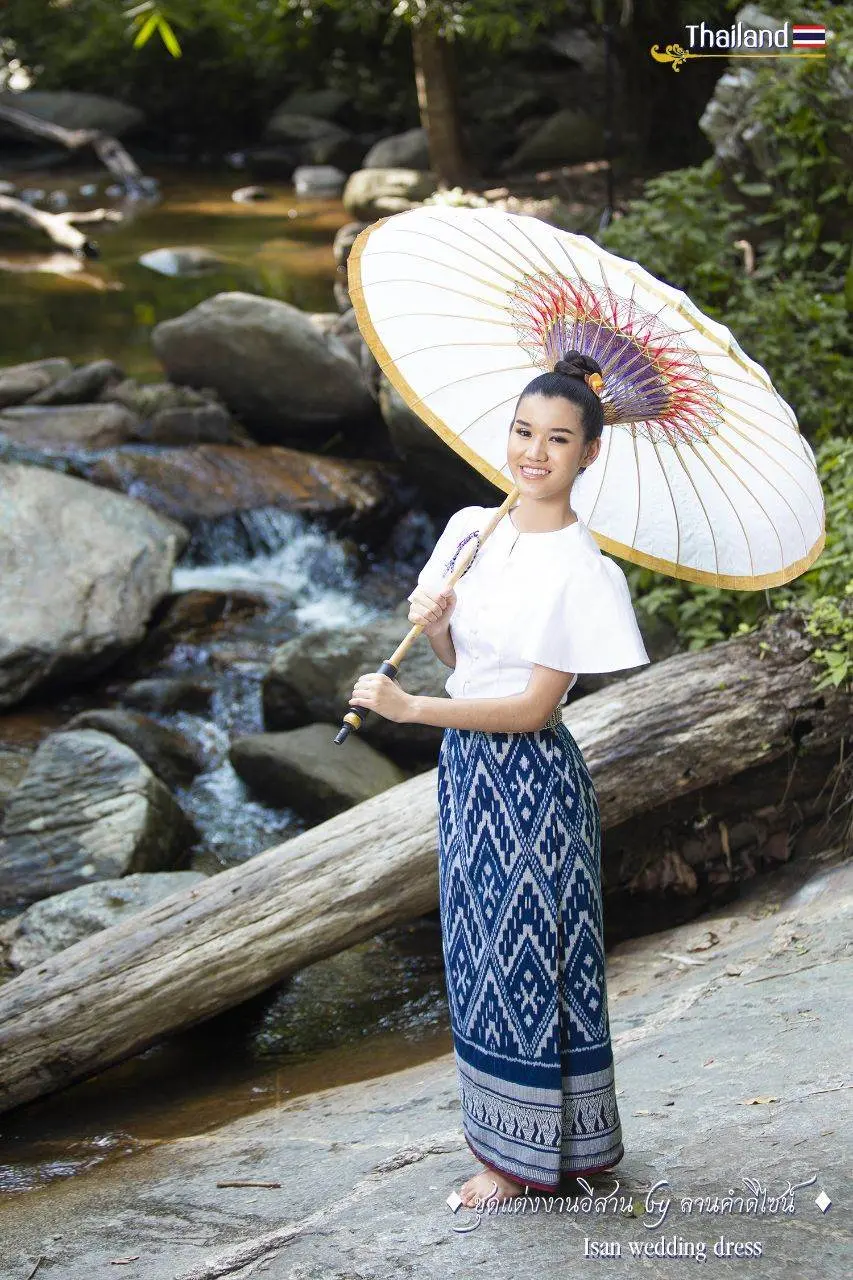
(550, 599)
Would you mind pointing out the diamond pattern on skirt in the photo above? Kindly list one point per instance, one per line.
(522, 933)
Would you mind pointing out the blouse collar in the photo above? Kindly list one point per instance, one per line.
(539, 533)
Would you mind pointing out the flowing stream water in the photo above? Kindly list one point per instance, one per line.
(383, 1001)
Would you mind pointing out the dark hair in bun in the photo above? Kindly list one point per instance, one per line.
(569, 381)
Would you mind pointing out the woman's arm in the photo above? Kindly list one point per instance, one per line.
(515, 713)
(443, 647)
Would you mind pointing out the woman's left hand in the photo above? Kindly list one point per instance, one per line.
(383, 695)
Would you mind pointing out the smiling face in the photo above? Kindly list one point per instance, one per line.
(547, 447)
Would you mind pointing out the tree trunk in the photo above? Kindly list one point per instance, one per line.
(672, 728)
(436, 87)
(109, 150)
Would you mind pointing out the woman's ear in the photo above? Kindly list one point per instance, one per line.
(590, 453)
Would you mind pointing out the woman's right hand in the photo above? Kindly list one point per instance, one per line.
(433, 611)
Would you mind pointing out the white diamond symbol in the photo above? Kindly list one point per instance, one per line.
(823, 1202)
(454, 1200)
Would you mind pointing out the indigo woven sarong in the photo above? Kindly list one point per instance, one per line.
(521, 922)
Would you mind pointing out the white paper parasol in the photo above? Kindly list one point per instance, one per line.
(702, 474)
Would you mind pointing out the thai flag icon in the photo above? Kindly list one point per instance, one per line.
(808, 37)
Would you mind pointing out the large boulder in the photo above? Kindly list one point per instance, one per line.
(83, 569)
(73, 110)
(18, 382)
(87, 809)
(373, 193)
(304, 770)
(568, 137)
(729, 121)
(169, 755)
(211, 481)
(316, 141)
(311, 679)
(426, 459)
(409, 150)
(56, 923)
(268, 362)
(13, 766)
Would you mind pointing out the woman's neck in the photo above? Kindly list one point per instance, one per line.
(538, 517)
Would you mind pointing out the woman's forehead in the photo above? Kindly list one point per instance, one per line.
(544, 413)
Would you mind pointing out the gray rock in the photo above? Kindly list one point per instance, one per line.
(169, 754)
(149, 398)
(372, 193)
(165, 695)
(81, 385)
(366, 1164)
(73, 110)
(87, 809)
(568, 137)
(305, 771)
(268, 362)
(728, 120)
(318, 179)
(324, 104)
(289, 126)
(52, 925)
(203, 424)
(311, 678)
(248, 195)
(20, 381)
(83, 569)
(13, 766)
(182, 260)
(409, 150)
(426, 459)
(317, 142)
(345, 238)
(67, 427)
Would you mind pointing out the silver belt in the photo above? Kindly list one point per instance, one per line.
(554, 720)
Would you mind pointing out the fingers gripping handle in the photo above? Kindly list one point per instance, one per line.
(356, 716)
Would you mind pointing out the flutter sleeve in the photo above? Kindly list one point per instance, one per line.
(587, 625)
(436, 569)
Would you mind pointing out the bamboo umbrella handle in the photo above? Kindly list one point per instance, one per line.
(356, 716)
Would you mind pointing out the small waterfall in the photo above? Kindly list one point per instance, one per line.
(310, 581)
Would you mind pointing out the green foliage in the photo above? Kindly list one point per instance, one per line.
(801, 334)
(834, 628)
(148, 18)
(696, 228)
(684, 230)
(492, 22)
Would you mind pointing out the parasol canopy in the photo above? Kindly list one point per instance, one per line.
(702, 473)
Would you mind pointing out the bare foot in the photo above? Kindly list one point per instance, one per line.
(482, 1187)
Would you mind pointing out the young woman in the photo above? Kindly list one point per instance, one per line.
(519, 826)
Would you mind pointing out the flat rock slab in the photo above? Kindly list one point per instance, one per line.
(733, 1066)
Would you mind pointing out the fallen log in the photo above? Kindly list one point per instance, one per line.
(58, 226)
(662, 732)
(109, 150)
